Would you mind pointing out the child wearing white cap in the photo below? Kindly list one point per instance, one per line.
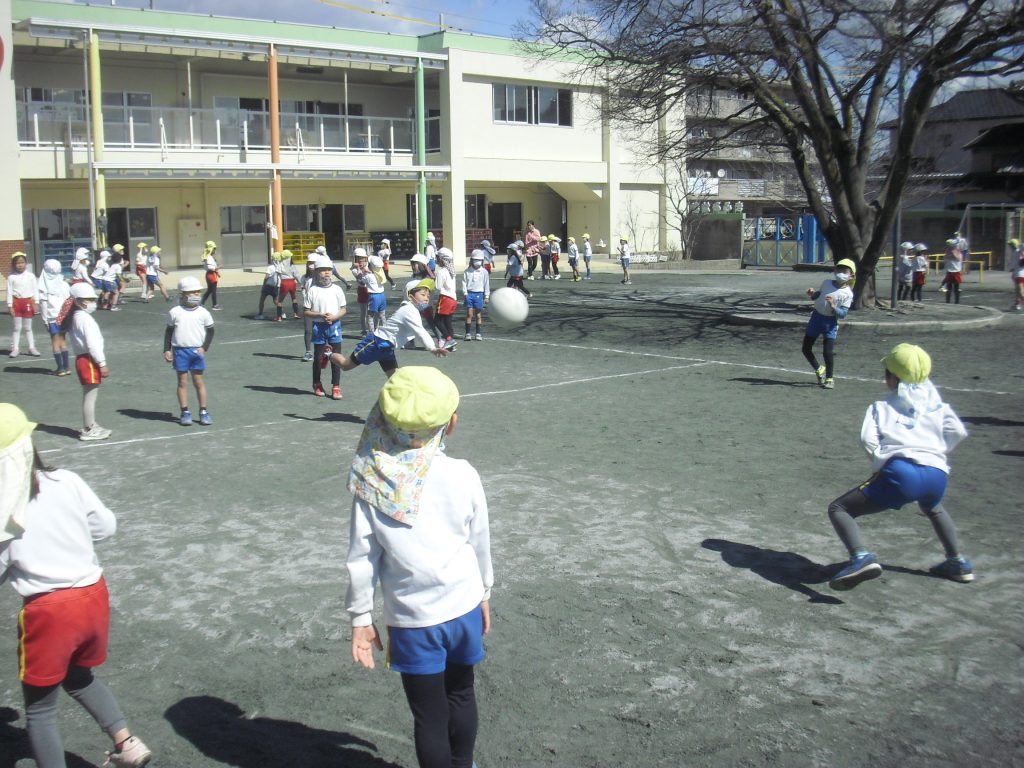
(63, 626)
(624, 258)
(86, 342)
(904, 271)
(908, 436)
(384, 254)
(954, 264)
(22, 297)
(325, 306)
(187, 339)
(80, 267)
(419, 527)
(920, 272)
(588, 254)
(476, 290)
(53, 292)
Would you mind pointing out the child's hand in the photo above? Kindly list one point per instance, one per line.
(831, 301)
(440, 352)
(328, 317)
(810, 293)
(104, 372)
(169, 356)
(364, 640)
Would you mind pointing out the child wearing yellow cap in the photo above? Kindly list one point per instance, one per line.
(555, 251)
(212, 274)
(63, 626)
(832, 301)
(908, 436)
(1017, 265)
(419, 527)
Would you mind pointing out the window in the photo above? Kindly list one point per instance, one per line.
(534, 105)
(434, 216)
(476, 211)
(142, 223)
(238, 219)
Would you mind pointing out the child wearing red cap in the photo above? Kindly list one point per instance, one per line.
(908, 436)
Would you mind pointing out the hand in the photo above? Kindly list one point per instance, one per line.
(810, 293)
(104, 371)
(328, 317)
(169, 356)
(830, 300)
(485, 609)
(440, 352)
(200, 351)
(364, 640)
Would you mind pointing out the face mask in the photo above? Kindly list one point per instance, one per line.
(90, 307)
(841, 277)
(193, 301)
(323, 280)
(422, 305)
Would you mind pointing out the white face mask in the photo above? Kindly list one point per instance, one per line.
(841, 277)
(89, 307)
(193, 301)
(323, 279)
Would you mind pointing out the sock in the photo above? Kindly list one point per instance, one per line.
(64, 359)
(57, 357)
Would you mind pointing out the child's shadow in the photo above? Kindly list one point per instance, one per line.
(27, 369)
(278, 355)
(53, 429)
(786, 568)
(772, 382)
(330, 416)
(278, 390)
(14, 745)
(134, 413)
(221, 731)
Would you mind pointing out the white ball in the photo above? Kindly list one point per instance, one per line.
(508, 307)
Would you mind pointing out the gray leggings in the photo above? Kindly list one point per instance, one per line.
(854, 503)
(41, 713)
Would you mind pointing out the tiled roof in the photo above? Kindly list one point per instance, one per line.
(984, 104)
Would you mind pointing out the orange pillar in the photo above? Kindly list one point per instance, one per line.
(277, 214)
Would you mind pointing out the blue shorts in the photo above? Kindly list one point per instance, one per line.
(53, 328)
(152, 279)
(373, 349)
(428, 650)
(189, 359)
(901, 481)
(475, 300)
(624, 260)
(269, 290)
(820, 325)
(326, 333)
(378, 302)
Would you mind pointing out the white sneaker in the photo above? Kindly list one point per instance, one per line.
(95, 432)
(479, 337)
(468, 336)
(14, 353)
(133, 754)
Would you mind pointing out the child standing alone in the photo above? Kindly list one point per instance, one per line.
(86, 342)
(22, 295)
(476, 287)
(832, 301)
(419, 526)
(920, 272)
(53, 292)
(187, 339)
(325, 306)
(907, 436)
(63, 626)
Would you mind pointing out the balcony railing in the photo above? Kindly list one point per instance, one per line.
(177, 128)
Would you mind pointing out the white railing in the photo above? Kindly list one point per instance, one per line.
(175, 128)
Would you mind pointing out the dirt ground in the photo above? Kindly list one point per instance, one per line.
(657, 482)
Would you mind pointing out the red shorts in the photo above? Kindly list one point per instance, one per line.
(1018, 280)
(88, 371)
(58, 630)
(386, 267)
(446, 305)
(288, 286)
(362, 295)
(212, 276)
(487, 266)
(22, 308)
(954, 277)
(140, 270)
(919, 278)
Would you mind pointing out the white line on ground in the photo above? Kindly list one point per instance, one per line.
(587, 380)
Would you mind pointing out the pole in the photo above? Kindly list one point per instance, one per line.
(421, 156)
(277, 212)
(897, 232)
(96, 105)
(88, 142)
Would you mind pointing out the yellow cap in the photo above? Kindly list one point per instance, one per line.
(286, 254)
(624, 238)
(908, 363)
(210, 245)
(1014, 243)
(572, 239)
(14, 425)
(140, 246)
(417, 398)
(16, 254)
(118, 248)
(847, 263)
(586, 235)
(426, 282)
(155, 249)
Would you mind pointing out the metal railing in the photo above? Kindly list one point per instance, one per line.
(178, 128)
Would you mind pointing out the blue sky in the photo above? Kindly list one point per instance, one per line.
(489, 17)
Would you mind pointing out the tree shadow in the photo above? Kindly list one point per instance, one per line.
(222, 732)
(787, 569)
(329, 416)
(279, 390)
(1017, 454)
(26, 369)
(991, 421)
(135, 413)
(53, 429)
(14, 744)
(773, 382)
(277, 355)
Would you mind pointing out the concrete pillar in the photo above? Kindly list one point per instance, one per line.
(11, 227)
(453, 203)
(96, 110)
(612, 201)
(276, 205)
(421, 156)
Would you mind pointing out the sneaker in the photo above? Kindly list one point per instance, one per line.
(451, 344)
(557, 277)
(829, 384)
(215, 307)
(861, 567)
(479, 337)
(133, 754)
(335, 393)
(14, 353)
(114, 309)
(325, 358)
(318, 390)
(34, 352)
(205, 419)
(186, 418)
(468, 336)
(63, 372)
(259, 317)
(308, 357)
(819, 372)
(628, 282)
(95, 432)
(954, 569)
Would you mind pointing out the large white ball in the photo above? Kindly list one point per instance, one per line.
(508, 307)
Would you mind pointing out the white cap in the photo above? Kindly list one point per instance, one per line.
(322, 262)
(51, 267)
(920, 247)
(189, 283)
(82, 253)
(419, 258)
(385, 240)
(375, 262)
(359, 253)
(906, 246)
(430, 236)
(321, 250)
(477, 255)
(83, 291)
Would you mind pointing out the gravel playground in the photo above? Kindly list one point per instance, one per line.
(657, 481)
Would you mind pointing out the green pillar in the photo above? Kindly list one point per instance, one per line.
(421, 156)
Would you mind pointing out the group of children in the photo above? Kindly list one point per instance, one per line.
(548, 249)
(913, 266)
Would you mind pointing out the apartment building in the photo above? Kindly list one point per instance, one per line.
(136, 125)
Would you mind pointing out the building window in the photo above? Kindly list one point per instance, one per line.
(476, 211)
(238, 219)
(533, 105)
(434, 217)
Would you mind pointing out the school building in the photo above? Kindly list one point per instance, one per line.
(129, 125)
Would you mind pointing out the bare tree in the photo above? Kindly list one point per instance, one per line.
(683, 212)
(813, 79)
